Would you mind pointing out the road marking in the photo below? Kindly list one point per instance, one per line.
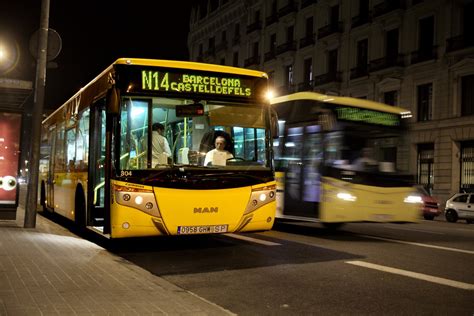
(255, 240)
(420, 244)
(415, 275)
(415, 230)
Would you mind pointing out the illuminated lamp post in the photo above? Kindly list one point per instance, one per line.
(9, 56)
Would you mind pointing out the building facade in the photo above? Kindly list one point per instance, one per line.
(415, 54)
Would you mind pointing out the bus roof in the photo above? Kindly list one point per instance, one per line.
(190, 65)
(348, 101)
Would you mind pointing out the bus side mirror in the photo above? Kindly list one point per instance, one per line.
(112, 100)
(274, 124)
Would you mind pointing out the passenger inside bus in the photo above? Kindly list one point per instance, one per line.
(366, 160)
(221, 143)
(161, 148)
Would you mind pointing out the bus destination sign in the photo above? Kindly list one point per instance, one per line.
(368, 116)
(153, 80)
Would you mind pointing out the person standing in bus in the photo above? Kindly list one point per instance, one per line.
(218, 156)
(160, 146)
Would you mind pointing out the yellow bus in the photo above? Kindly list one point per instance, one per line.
(102, 167)
(338, 159)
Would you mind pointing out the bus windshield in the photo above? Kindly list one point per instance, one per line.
(363, 148)
(158, 132)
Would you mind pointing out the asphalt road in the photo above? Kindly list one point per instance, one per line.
(302, 268)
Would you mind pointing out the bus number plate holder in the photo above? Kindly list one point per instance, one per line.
(208, 229)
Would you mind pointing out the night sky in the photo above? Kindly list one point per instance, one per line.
(94, 33)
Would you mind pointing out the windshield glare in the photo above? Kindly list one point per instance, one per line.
(153, 134)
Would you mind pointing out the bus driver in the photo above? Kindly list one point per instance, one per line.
(218, 155)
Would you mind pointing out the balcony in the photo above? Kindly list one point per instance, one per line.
(424, 54)
(286, 47)
(333, 76)
(255, 26)
(269, 20)
(359, 71)
(254, 60)
(269, 55)
(307, 3)
(289, 8)
(360, 20)
(306, 86)
(236, 40)
(386, 62)
(307, 40)
(221, 46)
(330, 29)
(388, 6)
(459, 42)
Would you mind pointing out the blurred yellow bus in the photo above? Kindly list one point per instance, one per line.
(338, 159)
(99, 168)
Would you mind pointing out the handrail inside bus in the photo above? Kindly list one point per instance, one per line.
(100, 185)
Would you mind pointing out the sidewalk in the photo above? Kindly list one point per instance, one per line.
(50, 271)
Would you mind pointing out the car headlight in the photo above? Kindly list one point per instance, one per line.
(413, 199)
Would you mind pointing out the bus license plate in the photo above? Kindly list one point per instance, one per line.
(211, 229)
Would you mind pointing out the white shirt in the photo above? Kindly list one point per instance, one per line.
(160, 148)
(210, 155)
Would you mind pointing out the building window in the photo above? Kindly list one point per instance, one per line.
(390, 97)
(426, 34)
(425, 172)
(391, 45)
(332, 61)
(223, 61)
(289, 75)
(273, 39)
(362, 53)
(211, 43)
(309, 27)
(235, 59)
(200, 49)
(290, 34)
(308, 70)
(224, 36)
(255, 49)
(237, 30)
(467, 95)
(424, 102)
(467, 167)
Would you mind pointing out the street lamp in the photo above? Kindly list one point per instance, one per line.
(9, 56)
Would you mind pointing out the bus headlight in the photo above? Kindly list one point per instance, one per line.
(138, 198)
(260, 197)
(413, 199)
(346, 196)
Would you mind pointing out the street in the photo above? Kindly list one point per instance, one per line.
(302, 268)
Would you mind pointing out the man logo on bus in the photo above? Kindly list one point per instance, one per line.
(206, 209)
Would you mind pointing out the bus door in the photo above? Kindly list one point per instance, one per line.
(303, 151)
(51, 163)
(97, 164)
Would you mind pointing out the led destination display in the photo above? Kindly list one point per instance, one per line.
(189, 83)
(368, 116)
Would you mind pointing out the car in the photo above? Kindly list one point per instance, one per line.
(430, 207)
(460, 206)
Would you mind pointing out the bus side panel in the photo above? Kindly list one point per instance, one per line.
(371, 204)
(65, 192)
